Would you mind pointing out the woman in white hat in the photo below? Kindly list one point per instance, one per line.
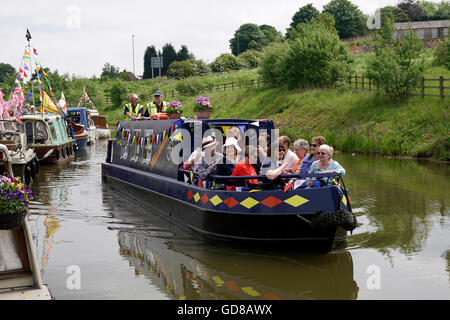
(231, 150)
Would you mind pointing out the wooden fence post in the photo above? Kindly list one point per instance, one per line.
(370, 85)
(362, 82)
(232, 86)
(356, 82)
(422, 93)
(441, 87)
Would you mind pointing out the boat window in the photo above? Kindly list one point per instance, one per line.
(41, 131)
(29, 132)
(53, 131)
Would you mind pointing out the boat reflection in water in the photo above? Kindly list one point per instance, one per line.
(184, 267)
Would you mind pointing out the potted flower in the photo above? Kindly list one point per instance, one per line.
(174, 110)
(14, 201)
(202, 108)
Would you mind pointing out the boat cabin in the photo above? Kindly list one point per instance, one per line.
(45, 130)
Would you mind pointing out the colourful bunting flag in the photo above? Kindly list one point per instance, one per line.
(47, 104)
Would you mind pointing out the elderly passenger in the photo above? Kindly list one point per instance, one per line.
(210, 160)
(325, 164)
(316, 142)
(301, 149)
(231, 150)
(289, 156)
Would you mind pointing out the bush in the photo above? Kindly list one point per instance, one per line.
(225, 62)
(117, 93)
(395, 68)
(180, 70)
(189, 87)
(442, 53)
(250, 59)
(316, 58)
(270, 66)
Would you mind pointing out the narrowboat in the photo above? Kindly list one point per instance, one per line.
(80, 116)
(100, 123)
(146, 162)
(20, 277)
(48, 135)
(25, 163)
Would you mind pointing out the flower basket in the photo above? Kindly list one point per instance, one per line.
(174, 115)
(174, 110)
(11, 221)
(203, 114)
(14, 202)
(202, 108)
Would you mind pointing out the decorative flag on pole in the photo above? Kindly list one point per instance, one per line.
(47, 103)
(62, 103)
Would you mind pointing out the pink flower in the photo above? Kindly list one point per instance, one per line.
(205, 103)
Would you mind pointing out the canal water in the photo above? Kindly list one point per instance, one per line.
(94, 242)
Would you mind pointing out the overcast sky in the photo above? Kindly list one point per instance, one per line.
(80, 36)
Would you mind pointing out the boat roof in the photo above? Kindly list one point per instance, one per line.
(83, 114)
(40, 116)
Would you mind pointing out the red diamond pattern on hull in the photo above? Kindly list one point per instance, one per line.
(190, 195)
(231, 202)
(271, 202)
(204, 198)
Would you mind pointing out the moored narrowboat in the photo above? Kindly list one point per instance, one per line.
(47, 134)
(77, 117)
(25, 163)
(141, 163)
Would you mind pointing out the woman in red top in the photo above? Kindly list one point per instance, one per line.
(244, 167)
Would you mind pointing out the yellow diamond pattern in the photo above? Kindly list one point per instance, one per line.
(296, 201)
(196, 197)
(344, 200)
(215, 200)
(249, 203)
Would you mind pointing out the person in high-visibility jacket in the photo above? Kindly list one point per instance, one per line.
(133, 110)
(157, 105)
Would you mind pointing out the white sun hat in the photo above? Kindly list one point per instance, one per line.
(231, 141)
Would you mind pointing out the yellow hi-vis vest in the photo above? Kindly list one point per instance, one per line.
(134, 112)
(152, 109)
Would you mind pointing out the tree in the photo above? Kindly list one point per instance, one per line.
(6, 71)
(250, 59)
(183, 54)
(270, 34)
(429, 9)
(317, 57)
(248, 36)
(412, 9)
(224, 62)
(350, 21)
(304, 15)
(270, 66)
(109, 72)
(180, 70)
(398, 14)
(443, 10)
(117, 93)
(169, 55)
(149, 53)
(442, 53)
(395, 67)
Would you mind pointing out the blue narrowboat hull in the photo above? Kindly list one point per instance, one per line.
(81, 143)
(267, 217)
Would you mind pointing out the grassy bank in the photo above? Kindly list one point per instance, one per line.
(351, 122)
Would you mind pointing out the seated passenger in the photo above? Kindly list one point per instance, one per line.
(210, 160)
(231, 150)
(245, 167)
(316, 142)
(325, 164)
(301, 149)
(235, 132)
(290, 157)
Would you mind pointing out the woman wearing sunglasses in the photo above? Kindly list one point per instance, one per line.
(316, 142)
(325, 164)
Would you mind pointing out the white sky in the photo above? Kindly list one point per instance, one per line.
(80, 36)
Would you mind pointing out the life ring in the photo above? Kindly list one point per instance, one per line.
(159, 116)
(27, 175)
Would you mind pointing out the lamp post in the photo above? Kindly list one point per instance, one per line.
(134, 71)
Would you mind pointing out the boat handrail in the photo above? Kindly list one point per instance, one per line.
(260, 177)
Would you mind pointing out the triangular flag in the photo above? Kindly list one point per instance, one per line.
(47, 103)
(289, 186)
